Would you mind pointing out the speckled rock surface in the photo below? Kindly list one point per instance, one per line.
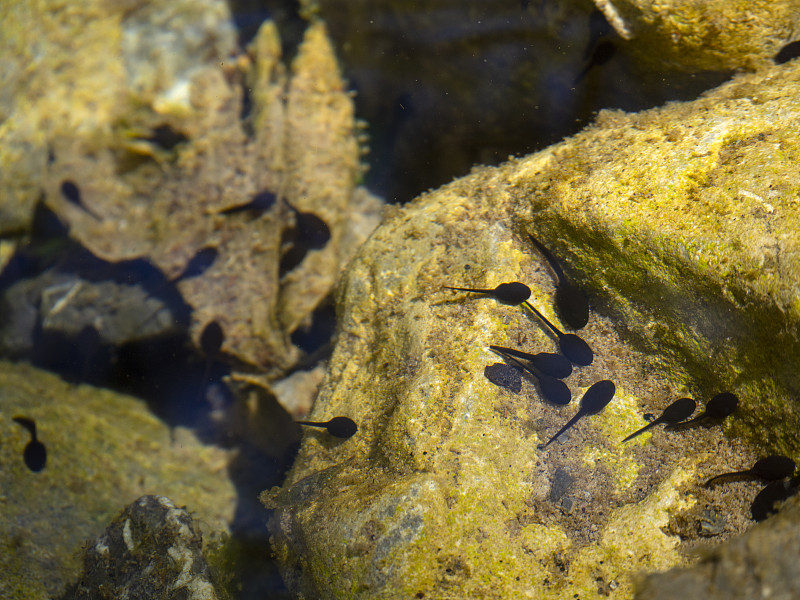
(151, 550)
(760, 564)
(104, 450)
(699, 35)
(682, 224)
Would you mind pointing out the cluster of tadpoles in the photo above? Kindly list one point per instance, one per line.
(550, 369)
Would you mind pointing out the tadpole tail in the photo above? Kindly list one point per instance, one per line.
(725, 475)
(640, 431)
(312, 423)
(27, 423)
(474, 290)
(551, 260)
(569, 424)
(544, 319)
(530, 369)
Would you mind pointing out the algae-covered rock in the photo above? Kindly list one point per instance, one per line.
(184, 135)
(104, 450)
(152, 549)
(682, 225)
(760, 564)
(705, 35)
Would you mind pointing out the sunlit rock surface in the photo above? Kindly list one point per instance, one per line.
(703, 35)
(682, 225)
(104, 450)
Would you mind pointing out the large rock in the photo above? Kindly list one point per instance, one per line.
(104, 450)
(682, 224)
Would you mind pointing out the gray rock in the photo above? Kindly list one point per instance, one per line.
(151, 550)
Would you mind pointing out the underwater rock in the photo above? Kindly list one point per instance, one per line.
(183, 135)
(152, 549)
(681, 226)
(103, 451)
(759, 564)
(704, 35)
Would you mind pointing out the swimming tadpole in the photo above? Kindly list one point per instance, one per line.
(718, 408)
(594, 400)
(512, 293)
(676, 412)
(553, 390)
(572, 346)
(571, 303)
(340, 427)
(549, 363)
(770, 468)
(34, 454)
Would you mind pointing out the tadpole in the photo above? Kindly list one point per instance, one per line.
(34, 454)
(594, 400)
(571, 304)
(548, 363)
(507, 293)
(340, 427)
(771, 468)
(573, 347)
(716, 409)
(764, 503)
(679, 410)
(553, 390)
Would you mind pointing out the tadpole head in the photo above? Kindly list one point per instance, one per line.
(679, 410)
(512, 293)
(598, 396)
(572, 306)
(554, 390)
(342, 427)
(576, 350)
(721, 405)
(774, 467)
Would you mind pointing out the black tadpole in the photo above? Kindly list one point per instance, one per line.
(764, 503)
(594, 400)
(198, 264)
(548, 363)
(259, 203)
(679, 410)
(310, 231)
(573, 347)
(340, 427)
(571, 304)
(770, 468)
(716, 409)
(553, 390)
(72, 194)
(788, 52)
(507, 293)
(602, 52)
(35, 454)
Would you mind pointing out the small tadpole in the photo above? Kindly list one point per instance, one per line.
(261, 202)
(508, 293)
(594, 400)
(764, 503)
(573, 347)
(505, 376)
(571, 304)
(718, 408)
(553, 390)
(340, 427)
(34, 454)
(198, 264)
(310, 231)
(789, 52)
(164, 136)
(771, 468)
(676, 412)
(603, 52)
(548, 363)
(72, 194)
(211, 339)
